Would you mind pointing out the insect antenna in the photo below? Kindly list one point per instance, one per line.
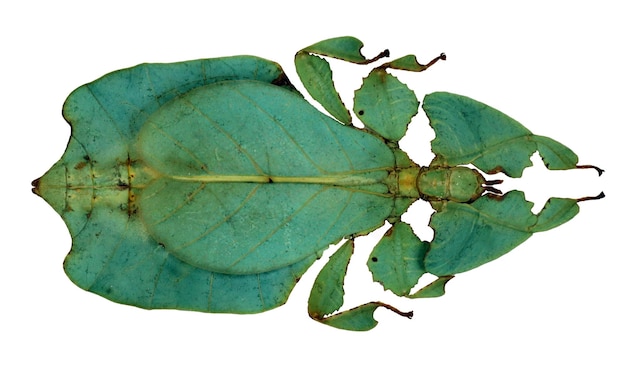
(487, 186)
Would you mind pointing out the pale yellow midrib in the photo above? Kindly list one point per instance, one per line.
(324, 180)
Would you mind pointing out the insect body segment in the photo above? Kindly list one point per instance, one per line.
(457, 184)
(213, 185)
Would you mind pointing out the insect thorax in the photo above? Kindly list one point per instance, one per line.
(459, 184)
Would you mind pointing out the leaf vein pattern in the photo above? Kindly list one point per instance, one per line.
(181, 204)
(219, 223)
(108, 114)
(279, 226)
(67, 207)
(497, 221)
(341, 146)
(337, 218)
(485, 149)
(114, 250)
(228, 135)
(156, 280)
(459, 253)
(184, 148)
(282, 128)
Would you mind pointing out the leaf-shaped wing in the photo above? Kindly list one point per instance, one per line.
(468, 131)
(282, 180)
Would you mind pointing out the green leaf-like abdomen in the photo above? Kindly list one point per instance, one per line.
(130, 209)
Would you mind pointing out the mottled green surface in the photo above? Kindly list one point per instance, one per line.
(213, 185)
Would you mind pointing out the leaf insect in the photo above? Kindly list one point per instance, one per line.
(213, 185)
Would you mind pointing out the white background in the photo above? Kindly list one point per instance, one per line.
(555, 303)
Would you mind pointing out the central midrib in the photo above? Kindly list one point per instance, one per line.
(324, 180)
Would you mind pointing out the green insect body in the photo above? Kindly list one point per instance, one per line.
(213, 185)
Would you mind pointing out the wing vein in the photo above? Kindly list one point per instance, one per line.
(285, 131)
(184, 148)
(228, 135)
(181, 204)
(219, 223)
(279, 226)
